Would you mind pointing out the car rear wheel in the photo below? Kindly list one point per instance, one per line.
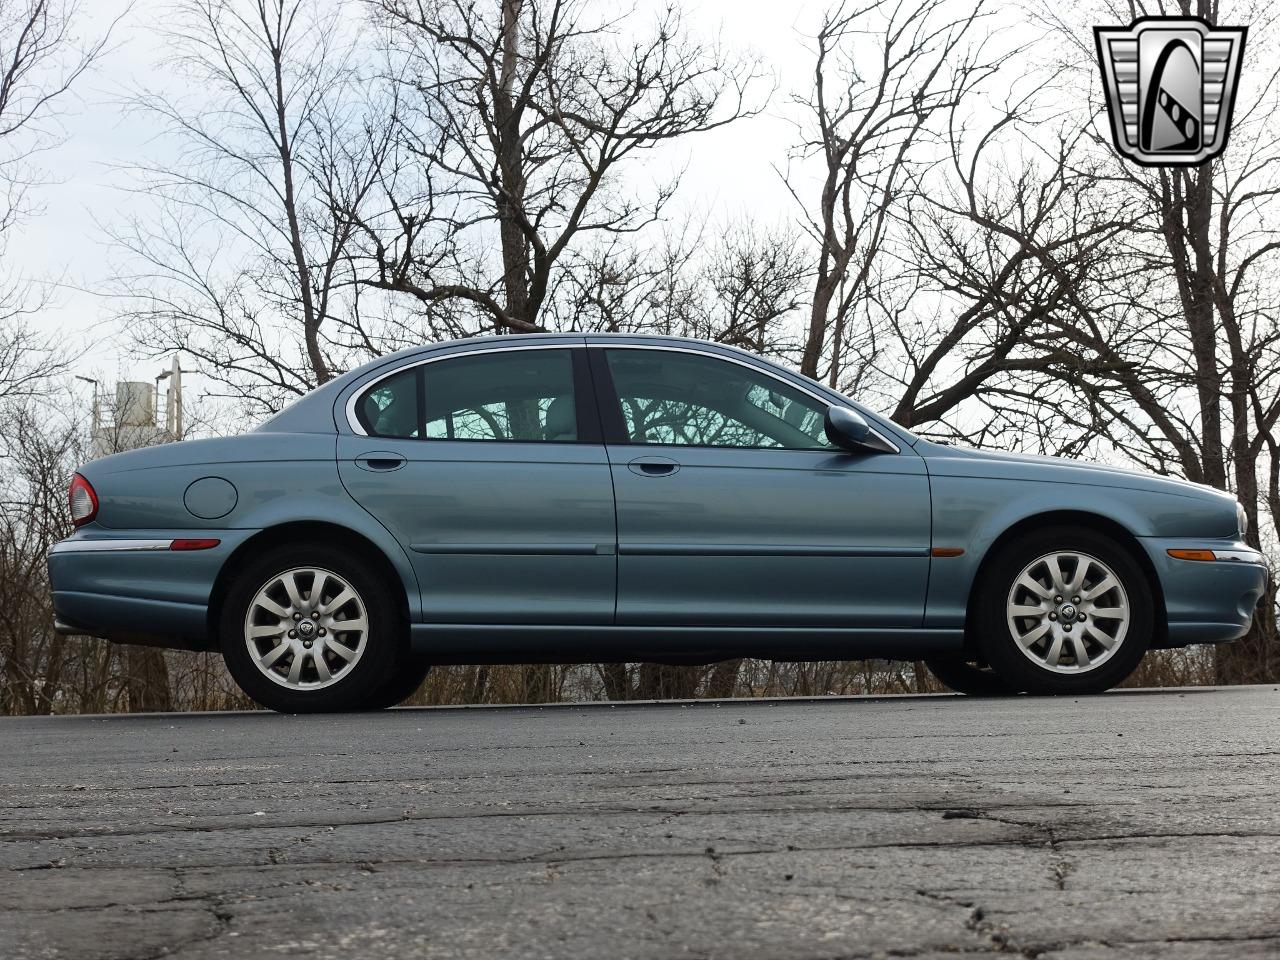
(310, 629)
(1063, 611)
(401, 683)
(965, 676)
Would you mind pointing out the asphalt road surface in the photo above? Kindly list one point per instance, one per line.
(1127, 825)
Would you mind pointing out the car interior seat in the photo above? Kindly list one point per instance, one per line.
(561, 424)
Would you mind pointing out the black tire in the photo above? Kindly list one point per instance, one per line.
(995, 637)
(386, 635)
(401, 683)
(965, 676)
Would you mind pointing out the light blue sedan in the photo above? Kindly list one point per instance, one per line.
(568, 498)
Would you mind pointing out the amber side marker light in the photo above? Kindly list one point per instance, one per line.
(947, 552)
(194, 544)
(1179, 554)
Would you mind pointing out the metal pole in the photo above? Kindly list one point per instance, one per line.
(175, 391)
(95, 421)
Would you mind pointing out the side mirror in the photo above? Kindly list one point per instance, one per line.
(848, 430)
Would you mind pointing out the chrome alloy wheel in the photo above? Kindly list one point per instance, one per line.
(306, 628)
(1068, 612)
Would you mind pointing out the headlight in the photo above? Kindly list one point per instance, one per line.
(1242, 519)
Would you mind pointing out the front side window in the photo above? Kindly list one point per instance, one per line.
(513, 395)
(687, 399)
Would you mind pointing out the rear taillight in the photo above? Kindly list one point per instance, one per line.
(83, 499)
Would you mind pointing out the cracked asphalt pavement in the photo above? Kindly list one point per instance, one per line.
(1135, 824)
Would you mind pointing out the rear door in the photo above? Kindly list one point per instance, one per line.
(489, 468)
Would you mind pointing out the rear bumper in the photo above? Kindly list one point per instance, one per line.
(134, 589)
(1208, 601)
(155, 623)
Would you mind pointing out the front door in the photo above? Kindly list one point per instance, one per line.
(734, 510)
(489, 469)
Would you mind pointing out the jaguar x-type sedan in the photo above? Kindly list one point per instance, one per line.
(567, 498)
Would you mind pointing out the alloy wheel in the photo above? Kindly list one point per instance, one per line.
(306, 628)
(1068, 612)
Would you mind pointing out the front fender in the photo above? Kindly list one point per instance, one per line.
(973, 513)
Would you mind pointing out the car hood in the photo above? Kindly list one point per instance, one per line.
(968, 462)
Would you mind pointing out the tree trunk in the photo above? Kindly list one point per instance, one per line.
(310, 318)
(920, 677)
(477, 685)
(617, 681)
(660, 681)
(724, 679)
(537, 680)
(510, 151)
(816, 335)
(1198, 291)
(147, 680)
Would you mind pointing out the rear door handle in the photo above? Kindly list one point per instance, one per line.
(653, 466)
(380, 462)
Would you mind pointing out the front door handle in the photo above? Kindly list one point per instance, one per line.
(380, 462)
(653, 466)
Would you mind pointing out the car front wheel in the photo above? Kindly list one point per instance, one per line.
(962, 675)
(310, 629)
(1064, 611)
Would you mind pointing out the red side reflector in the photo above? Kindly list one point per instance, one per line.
(194, 544)
(1192, 554)
(947, 552)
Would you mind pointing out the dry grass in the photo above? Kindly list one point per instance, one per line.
(199, 682)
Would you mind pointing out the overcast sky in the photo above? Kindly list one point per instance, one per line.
(728, 173)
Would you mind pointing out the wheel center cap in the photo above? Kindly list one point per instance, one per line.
(1067, 611)
(306, 628)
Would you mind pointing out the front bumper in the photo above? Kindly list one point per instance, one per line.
(134, 589)
(1208, 601)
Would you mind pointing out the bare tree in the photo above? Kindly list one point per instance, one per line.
(883, 71)
(742, 284)
(41, 56)
(516, 117)
(1192, 387)
(960, 226)
(40, 449)
(240, 258)
(1007, 250)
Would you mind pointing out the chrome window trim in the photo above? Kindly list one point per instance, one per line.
(354, 422)
(742, 363)
(109, 546)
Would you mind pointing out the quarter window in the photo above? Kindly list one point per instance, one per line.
(516, 395)
(390, 408)
(686, 399)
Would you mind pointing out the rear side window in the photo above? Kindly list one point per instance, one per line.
(513, 395)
